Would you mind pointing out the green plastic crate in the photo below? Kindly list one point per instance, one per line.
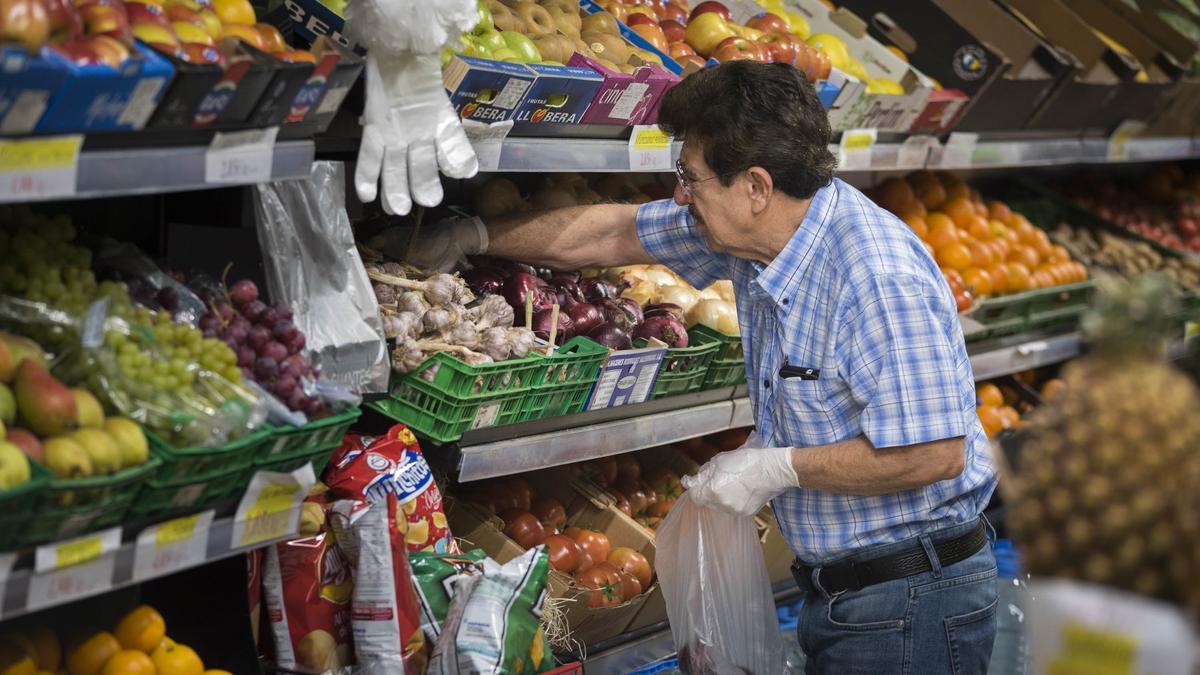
(318, 458)
(565, 380)
(684, 369)
(182, 466)
(16, 504)
(728, 365)
(69, 507)
(1032, 310)
(159, 499)
(445, 397)
(323, 434)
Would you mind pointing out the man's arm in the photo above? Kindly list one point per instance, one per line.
(855, 467)
(603, 235)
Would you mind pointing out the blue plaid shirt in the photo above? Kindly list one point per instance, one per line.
(855, 296)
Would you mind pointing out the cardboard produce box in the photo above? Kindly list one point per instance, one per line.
(976, 47)
(30, 80)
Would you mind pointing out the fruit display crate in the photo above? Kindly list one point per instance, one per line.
(67, 507)
(16, 503)
(322, 434)
(444, 396)
(728, 365)
(565, 379)
(1031, 310)
(684, 369)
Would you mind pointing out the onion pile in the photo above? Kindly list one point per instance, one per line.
(656, 287)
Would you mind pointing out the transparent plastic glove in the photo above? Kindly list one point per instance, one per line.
(742, 481)
(409, 131)
(442, 247)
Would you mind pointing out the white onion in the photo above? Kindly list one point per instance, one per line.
(725, 288)
(718, 315)
(659, 277)
(643, 293)
(686, 298)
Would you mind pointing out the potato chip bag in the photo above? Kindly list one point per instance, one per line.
(434, 576)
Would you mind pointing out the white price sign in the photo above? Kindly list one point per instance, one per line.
(650, 149)
(854, 150)
(39, 168)
(488, 141)
(239, 157)
(914, 151)
(959, 150)
(173, 545)
(270, 509)
(73, 569)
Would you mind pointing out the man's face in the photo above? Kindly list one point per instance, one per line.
(722, 213)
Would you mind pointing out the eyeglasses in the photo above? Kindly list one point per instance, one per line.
(686, 183)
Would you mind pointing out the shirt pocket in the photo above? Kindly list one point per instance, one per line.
(807, 412)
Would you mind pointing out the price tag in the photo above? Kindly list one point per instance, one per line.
(39, 168)
(240, 157)
(73, 569)
(914, 152)
(854, 150)
(270, 509)
(488, 141)
(1118, 142)
(170, 546)
(650, 149)
(959, 149)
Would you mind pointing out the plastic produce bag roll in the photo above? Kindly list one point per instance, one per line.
(313, 265)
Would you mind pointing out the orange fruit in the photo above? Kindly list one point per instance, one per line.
(176, 659)
(954, 255)
(47, 650)
(941, 238)
(1081, 273)
(932, 196)
(959, 189)
(937, 220)
(234, 12)
(999, 248)
(998, 273)
(947, 179)
(954, 278)
(917, 224)
(1025, 255)
(914, 209)
(981, 254)
(920, 180)
(1009, 415)
(960, 211)
(1059, 254)
(129, 662)
(998, 210)
(15, 658)
(1041, 243)
(894, 194)
(978, 280)
(89, 655)
(143, 628)
(1024, 229)
(1053, 388)
(980, 209)
(978, 227)
(1018, 277)
(989, 394)
(991, 420)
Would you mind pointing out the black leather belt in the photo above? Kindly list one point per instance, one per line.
(855, 575)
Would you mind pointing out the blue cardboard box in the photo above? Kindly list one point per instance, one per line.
(313, 19)
(100, 98)
(26, 87)
(560, 94)
(485, 90)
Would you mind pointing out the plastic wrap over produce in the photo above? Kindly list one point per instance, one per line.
(312, 264)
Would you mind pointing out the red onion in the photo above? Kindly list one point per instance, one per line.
(616, 314)
(585, 316)
(541, 326)
(596, 288)
(484, 280)
(611, 336)
(522, 267)
(663, 327)
(633, 308)
(561, 277)
(669, 308)
(521, 284)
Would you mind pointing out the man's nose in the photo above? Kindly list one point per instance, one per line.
(680, 196)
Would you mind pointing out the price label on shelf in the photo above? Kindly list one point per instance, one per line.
(1118, 142)
(39, 168)
(649, 149)
(240, 157)
(73, 569)
(854, 150)
(959, 150)
(914, 152)
(488, 141)
(173, 545)
(270, 509)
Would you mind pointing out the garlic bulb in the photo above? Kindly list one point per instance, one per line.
(494, 342)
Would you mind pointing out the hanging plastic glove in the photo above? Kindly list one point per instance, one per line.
(410, 130)
(742, 481)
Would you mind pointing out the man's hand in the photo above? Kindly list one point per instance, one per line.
(442, 247)
(742, 481)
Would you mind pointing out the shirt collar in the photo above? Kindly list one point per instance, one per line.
(780, 279)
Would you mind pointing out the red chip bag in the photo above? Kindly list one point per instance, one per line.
(254, 584)
(307, 588)
(367, 468)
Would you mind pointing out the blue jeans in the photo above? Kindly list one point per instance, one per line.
(941, 621)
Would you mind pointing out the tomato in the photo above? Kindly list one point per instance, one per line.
(628, 467)
(632, 562)
(651, 522)
(525, 529)
(595, 543)
(630, 587)
(521, 491)
(585, 561)
(573, 532)
(638, 501)
(660, 509)
(603, 470)
(625, 484)
(621, 502)
(604, 584)
(550, 512)
(563, 553)
(664, 483)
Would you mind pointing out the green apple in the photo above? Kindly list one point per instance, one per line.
(491, 39)
(476, 49)
(522, 46)
(485, 19)
(446, 55)
(506, 54)
(552, 63)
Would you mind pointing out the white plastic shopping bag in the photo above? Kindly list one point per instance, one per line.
(718, 594)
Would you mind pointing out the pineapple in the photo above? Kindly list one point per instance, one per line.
(1108, 477)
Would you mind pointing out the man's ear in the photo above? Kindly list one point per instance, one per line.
(759, 187)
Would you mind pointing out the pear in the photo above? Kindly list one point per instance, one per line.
(14, 352)
(130, 439)
(106, 456)
(46, 405)
(67, 459)
(14, 466)
(91, 415)
(27, 442)
(8, 404)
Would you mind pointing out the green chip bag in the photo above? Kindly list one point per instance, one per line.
(434, 576)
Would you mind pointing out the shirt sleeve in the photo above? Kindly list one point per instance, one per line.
(894, 351)
(670, 236)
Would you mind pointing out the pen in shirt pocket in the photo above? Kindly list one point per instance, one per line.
(789, 371)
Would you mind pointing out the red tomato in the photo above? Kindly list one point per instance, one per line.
(595, 543)
(524, 529)
(638, 501)
(603, 470)
(630, 587)
(664, 483)
(585, 561)
(632, 562)
(660, 509)
(651, 522)
(549, 511)
(573, 532)
(563, 553)
(626, 485)
(621, 502)
(628, 467)
(605, 585)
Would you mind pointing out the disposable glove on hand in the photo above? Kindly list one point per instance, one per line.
(742, 481)
(441, 247)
